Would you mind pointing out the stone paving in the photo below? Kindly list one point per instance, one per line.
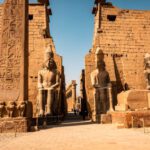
(82, 136)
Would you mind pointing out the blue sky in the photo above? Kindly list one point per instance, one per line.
(72, 30)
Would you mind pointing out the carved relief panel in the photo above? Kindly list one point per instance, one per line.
(12, 50)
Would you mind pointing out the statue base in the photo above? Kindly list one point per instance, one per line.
(133, 100)
(19, 124)
(106, 118)
(130, 119)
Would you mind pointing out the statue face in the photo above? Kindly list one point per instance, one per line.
(100, 65)
(147, 62)
(100, 57)
(48, 55)
(49, 64)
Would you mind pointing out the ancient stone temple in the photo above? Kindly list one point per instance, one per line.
(24, 38)
(123, 37)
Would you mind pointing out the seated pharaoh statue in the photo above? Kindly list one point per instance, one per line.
(100, 81)
(147, 69)
(48, 82)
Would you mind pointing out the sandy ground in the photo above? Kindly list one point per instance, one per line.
(74, 136)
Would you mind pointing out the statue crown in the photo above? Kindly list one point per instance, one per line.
(48, 49)
(98, 51)
(147, 55)
(49, 52)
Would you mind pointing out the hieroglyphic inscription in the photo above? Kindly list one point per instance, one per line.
(12, 46)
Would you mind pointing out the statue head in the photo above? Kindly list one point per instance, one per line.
(2, 103)
(147, 60)
(49, 53)
(50, 64)
(99, 54)
(101, 65)
(147, 55)
(11, 103)
(49, 61)
(21, 103)
(99, 59)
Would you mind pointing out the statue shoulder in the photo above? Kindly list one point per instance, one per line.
(41, 71)
(106, 72)
(94, 72)
(57, 72)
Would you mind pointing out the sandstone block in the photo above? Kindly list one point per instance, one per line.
(133, 100)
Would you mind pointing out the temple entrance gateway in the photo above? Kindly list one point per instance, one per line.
(114, 86)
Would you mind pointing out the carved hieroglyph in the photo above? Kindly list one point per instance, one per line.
(12, 50)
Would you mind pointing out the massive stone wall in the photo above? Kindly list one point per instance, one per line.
(39, 38)
(126, 39)
(123, 36)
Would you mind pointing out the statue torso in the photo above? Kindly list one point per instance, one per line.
(100, 79)
(48, 77)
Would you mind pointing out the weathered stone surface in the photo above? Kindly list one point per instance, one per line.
(14, 124)
(48, 85)
(132, 100)
(71, 96)
(24, 35)
(130, 119)
(100, 81)
(39, 38)
(106, 118)
(37, 44)
(13, 51)
(123, 36)
(147, 69)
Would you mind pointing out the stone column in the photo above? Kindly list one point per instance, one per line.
(110, 98)
(74, 96)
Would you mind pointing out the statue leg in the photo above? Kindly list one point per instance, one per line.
(10, 114)
(41, 103)
(148, 81)
(98, 102)
(95, 106)
(103, 100)
(49, 101)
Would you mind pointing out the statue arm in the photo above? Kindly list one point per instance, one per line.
(40, 80)
(145, 64)
(108, 79)
(57, 81)
(93, 81)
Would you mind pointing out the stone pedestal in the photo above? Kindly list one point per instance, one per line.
(19, 124)
(106, 119)
(130, 119)
(133, 100)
